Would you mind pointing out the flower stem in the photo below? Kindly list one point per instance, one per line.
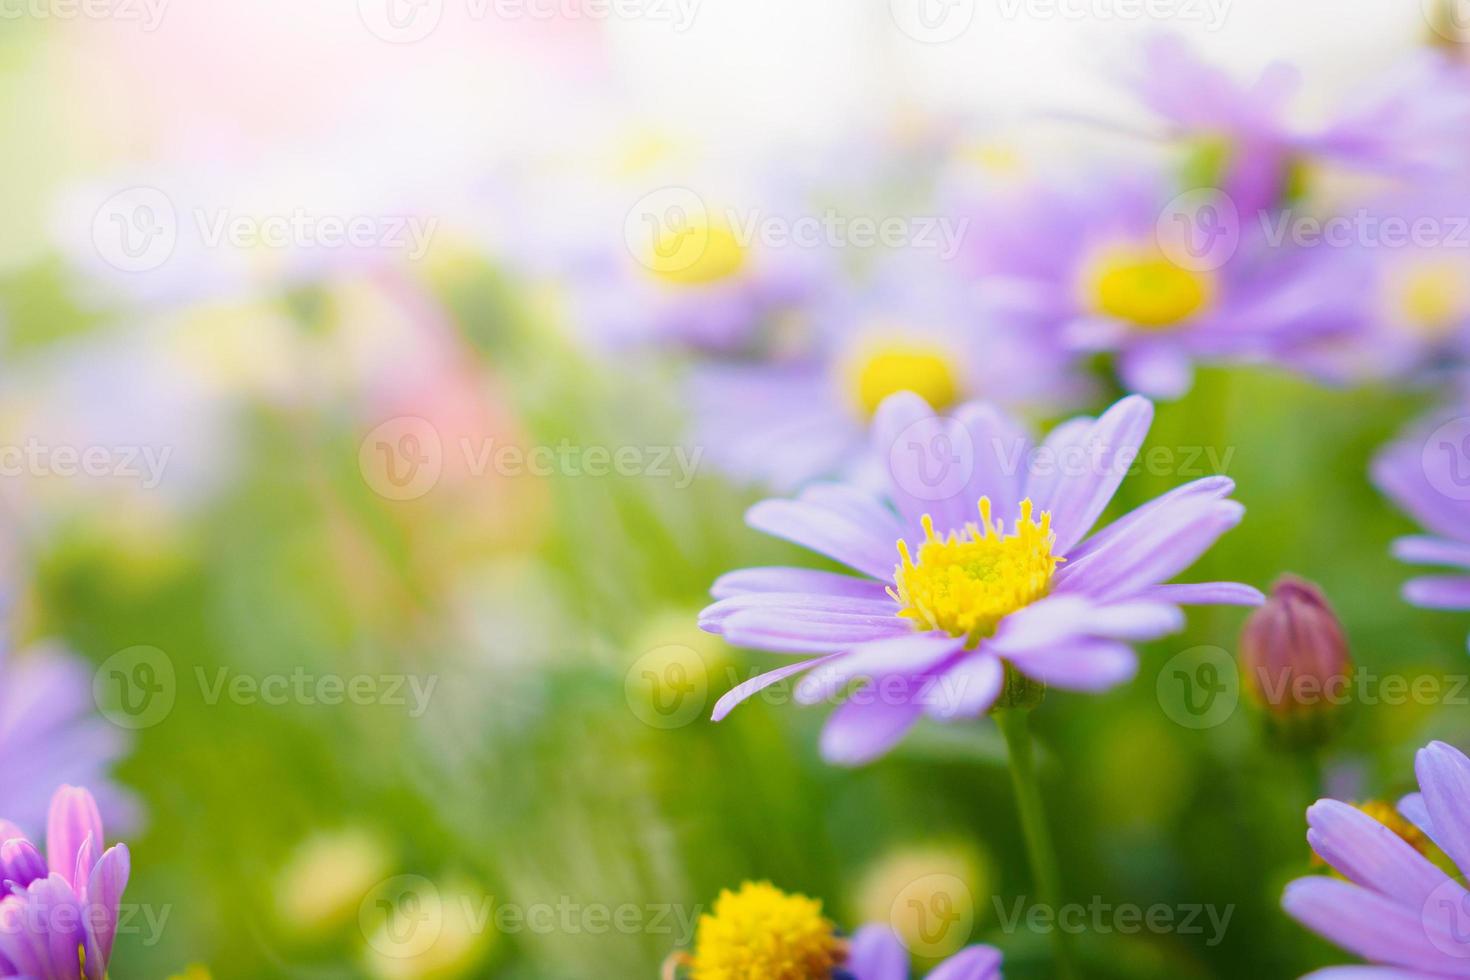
(1014, 725)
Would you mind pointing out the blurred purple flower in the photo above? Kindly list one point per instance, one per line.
(1410, 122)
(1397, 909)
(919, 326)
(1091, 264)
(59, 915)
(1398, 275)
(49, 735)
(1026, 588)
(876, 953)
(1425, 474)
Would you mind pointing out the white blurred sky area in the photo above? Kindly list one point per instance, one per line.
(405, 96)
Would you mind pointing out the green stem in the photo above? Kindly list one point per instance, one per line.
(1014, 725)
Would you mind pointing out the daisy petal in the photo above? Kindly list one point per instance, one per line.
(775, 579)
(900, 655)
(1428, 550)
(1444, 782)
(866, 726)
(966, 690)
(755, 685)
(1369, 925)
(1205, 594)
(865, 546)
(876, 954)
(975, 963)
(1439, 591)
(1112, 444)
(1368, 853)
(712, 617)
(801, 632)
(1081, 665)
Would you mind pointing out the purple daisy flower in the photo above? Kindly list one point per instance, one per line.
(49, 733)
(1399, 272)
(920, 326)
(978, 560)
(59, 914)
(1409, 123)
(1098, 265)
(1427, 474)
(1398, 909)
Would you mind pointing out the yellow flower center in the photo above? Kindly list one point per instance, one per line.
(1433, 298)
(762, 933)
(926, 370)
(965, 584)
(1147, 290)
(695, 253)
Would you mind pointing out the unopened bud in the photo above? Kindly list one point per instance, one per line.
(1294, 661)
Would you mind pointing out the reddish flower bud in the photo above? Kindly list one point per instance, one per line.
(1294, 660)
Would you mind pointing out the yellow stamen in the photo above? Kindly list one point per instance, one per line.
(1433, 298)
(696, 253)
(1147, 290)
(760, 931)
(924, 369)
(965, 584)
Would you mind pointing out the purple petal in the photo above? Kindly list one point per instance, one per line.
(1156, 371)
(1368, 853)
(1427, 550)
(1205, 594)
(74, 818)
(1001, 448)
(1111, 445)
(104, 892)
(8, 831)
(968, 689)
(20, 862)
(1444, 782)
(1045, 475)
(755, 685)
(1413, 810)
(809, 632)
(1206, 488)
(894, 417)
(1080, 665)
(1157, 551)
(1369, 973)
(868, 546)
(844, 607)
(1439, 591)
(867, 725)
(877, 954)
(1370, 925)
(909, 654)
(776, 579)
(1399, 473)
(974, 963)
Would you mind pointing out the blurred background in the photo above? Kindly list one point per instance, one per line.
(362, 477)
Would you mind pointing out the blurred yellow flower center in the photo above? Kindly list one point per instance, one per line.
(1434, 298)
(695, 253)
(965, 584)
(762, 932)
(1148, 290)
(925, 370)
